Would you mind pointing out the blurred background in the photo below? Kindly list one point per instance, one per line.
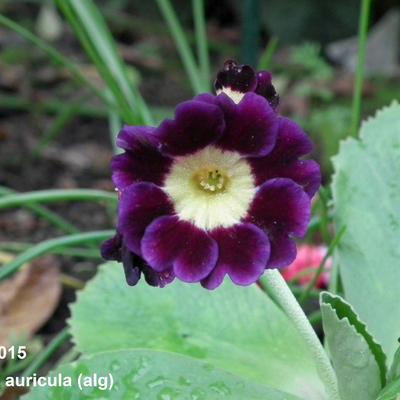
(54, 132)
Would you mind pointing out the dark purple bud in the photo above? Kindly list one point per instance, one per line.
(238, 78)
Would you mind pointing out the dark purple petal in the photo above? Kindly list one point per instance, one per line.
(251, 125)
(291, 141)
(196, 125)
(239, 78)
(139, 205)
(244, 251)
(283, 250)
(129, 136)
(283, 160)
(142, 160)
(190, 251)
(281, 204)
(266, 89)
(134, 266)
(111, 248)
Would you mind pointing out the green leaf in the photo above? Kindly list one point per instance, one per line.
(359, 361)
(394, 372)
(237, 329)
(391, 391)
(366, 194)
(147, 374)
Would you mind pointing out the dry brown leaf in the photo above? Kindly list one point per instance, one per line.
(29, 298)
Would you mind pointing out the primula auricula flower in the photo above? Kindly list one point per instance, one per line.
(218, 190)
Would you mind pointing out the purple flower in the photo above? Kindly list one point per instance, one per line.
(236, 80)
(218, 190)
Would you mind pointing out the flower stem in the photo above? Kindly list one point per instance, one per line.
(335, 242)
(281, 294)
(359, 78)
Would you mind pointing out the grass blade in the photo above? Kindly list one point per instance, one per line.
(55, 195)
(48, 246)
(91, 29)
(359, 78)
(201, 41)
(267, 55)
(45, 214)
(182, 44)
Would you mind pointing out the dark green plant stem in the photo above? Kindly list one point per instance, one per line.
(45, 214)
(48, 352)
(359, 78)
(324, 212)
(201, 41)
(267, 55)
(336, 240)
(182, 45)
(55, 195)
(251, 31)
(49, 245)
(52, 53)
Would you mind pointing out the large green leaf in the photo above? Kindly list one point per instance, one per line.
(153, 375)
(358, 360)
(366, 193)
(394, 372)
(236, 329)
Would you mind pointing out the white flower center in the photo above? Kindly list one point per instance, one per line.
(235, 95)
(211, 188)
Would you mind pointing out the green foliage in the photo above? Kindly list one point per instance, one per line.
(155, 375)
(236, 329)
(89, 26)
(391, 391)
(328, 126)
(394, 372)
(359, 361)
(366, 195)
(308, 56)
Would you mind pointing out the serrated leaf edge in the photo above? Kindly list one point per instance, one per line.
(363, 331)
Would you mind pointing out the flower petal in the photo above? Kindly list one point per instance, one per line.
(251, 125)
(190, 251)
(132, 269)
(129, 136)
(281, 204)
(244, 251)
(266, 89)
(111, 248)
(139, 205)
(142, 161)
(134, 266)
(283, 160)
(196, 125)
(283, 250)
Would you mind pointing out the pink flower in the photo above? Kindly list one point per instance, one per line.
(306, 264)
